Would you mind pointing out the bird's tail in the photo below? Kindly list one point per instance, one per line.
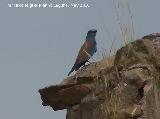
(71, 70)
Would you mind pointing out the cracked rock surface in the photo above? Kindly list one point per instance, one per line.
(125, 86)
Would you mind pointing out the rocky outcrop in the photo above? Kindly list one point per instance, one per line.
(125, 86)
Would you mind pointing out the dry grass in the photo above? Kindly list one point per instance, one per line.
(125, 20)
(107, 61)
(110, 108)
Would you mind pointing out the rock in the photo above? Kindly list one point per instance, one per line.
(125, 86)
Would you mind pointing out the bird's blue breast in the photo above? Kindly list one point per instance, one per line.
(93, 49)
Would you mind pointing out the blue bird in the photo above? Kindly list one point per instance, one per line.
(86, 51)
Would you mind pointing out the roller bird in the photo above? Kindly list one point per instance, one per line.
(86, 51)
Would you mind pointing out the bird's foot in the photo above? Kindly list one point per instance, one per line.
(89, 62)
(86, 65)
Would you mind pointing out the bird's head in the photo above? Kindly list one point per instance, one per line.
(91, 34)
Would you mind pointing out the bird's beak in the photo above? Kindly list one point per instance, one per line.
(95, 31)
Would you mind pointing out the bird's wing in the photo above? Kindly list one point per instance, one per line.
(82, 55)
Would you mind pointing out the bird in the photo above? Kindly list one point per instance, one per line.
(87, 50)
